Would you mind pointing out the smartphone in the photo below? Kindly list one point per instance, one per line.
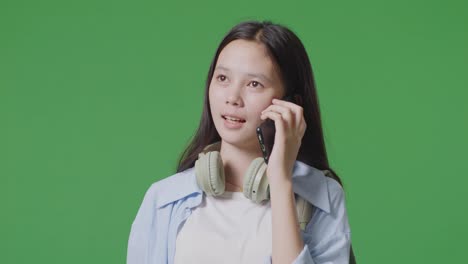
(266, 133)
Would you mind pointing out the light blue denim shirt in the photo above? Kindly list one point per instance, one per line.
(170, 201)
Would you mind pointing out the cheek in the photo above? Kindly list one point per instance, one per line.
(259, 104)
(215, 102)
(215, 93)
(256, 111)
(211, 100)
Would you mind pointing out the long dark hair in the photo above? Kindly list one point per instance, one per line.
(287, 51)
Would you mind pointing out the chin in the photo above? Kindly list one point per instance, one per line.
(238, 139)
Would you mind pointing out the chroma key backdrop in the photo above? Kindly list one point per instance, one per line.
(99, 98)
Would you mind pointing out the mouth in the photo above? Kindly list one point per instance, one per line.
(233, 119)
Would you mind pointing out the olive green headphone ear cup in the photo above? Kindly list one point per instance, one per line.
(210, 173)
(256, 186)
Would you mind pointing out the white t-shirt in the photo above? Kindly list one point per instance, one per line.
(225, 229)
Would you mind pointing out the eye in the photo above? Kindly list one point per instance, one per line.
(255, 84)
(221, 77)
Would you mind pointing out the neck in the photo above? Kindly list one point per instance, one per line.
(236, 160)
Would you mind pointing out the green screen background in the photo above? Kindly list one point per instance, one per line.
(99, 98)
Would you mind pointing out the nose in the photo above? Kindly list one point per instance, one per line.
(234, 97)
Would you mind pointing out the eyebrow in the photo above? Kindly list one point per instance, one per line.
(258, 75)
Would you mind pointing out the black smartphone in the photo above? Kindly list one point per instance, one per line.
(266, 134)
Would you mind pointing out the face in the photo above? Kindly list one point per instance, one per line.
(244, 82)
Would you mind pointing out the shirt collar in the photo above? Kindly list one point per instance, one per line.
(308, 182)
(311, 184)
(176, 187)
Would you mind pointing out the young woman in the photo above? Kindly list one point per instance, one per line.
(225, 204)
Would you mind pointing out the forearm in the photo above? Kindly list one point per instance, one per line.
(286, 236)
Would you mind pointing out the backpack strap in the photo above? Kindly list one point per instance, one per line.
(304, 209)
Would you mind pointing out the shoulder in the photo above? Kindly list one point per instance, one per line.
(150, 218)
(172, 188)
(162, 184)
(334, 221)
(314, 186)
(323, 192)
(336, 197)
(328, 234)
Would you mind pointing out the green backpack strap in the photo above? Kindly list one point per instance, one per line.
(305, 211)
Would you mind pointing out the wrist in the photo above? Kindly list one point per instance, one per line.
(280, 186)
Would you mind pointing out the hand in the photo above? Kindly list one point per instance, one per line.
(290, 128)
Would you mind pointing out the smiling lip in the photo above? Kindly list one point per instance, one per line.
(230, 124)
(233, 116)
(233, 124)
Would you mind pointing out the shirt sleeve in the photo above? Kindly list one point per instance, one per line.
(303, 257)
(335, 251)
(138, 242)
(327, 236)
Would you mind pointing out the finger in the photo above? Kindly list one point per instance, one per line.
(297, 109)
(286, 103)
(277, 118)
(287, 114)
(300, 126)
